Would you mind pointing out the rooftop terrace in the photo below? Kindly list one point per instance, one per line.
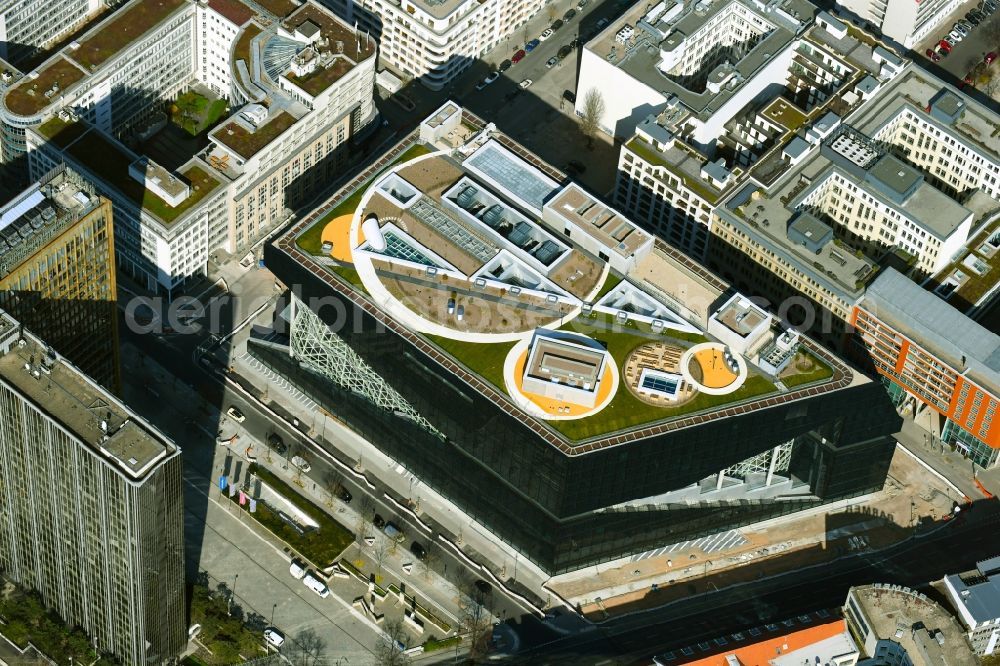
(124, 27)
(234, 10)
(78, 404)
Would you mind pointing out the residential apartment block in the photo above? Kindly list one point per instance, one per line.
(434, 41)
(57, 271)
(92, 504)
(301, 88)
(975, 596)
(933, 359)
(905, 23)
(892, 624)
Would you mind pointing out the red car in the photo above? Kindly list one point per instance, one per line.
(933, 55)
(990, 57)
(945, 45)
(518, 57)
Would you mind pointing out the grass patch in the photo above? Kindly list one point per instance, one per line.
(432, 644)
(819, 371)
(651, 155)
(247, 144)
(195, 113)
(486, 360)
(28, 96)
(311, 240)
(321, 547)
(351, 275)
(28, 620)
(610, 282)
(130, 25)
(322, 77)
(598, 322)
(193, 660)
(242, 49)
(230, 641)
(61, 133)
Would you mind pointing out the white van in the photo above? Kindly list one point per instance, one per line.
(297, 570)
(316, 586)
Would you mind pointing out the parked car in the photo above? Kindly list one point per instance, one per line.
(569, 96)
(954, 37)
(545, 35)
(301, 463)
(570, 13)
(525, 83)
(945, 45)
(316, 586)
(235, 414)
(990, 58)
(297, 570)
(552, 62)
(518, 57)
(504, 66)
(484, 587)
(343, 494)
(581, 4)
(556, 25)
(273, 637)
(418, 551)
(378, 521)
(490, 78)
(933, 55)
(965, 25)
(277, 444)
(973, 19)
(392, 531)
(564, 51)
(530, 46)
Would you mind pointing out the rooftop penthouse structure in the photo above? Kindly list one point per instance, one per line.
(487, 272)
(300, 89)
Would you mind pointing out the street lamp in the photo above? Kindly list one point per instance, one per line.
(272, 613)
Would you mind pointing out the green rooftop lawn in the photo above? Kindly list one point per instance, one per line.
(60, 132)
(610, 282)
(242, 48)
(28, 96)
(651, 155)
(351, 275)
(280, 8)
(104, 159)
(486, 360)
(322, 78)
(789, 117)
(322, 546)
(246, 143)
(195, 113)
(311, 240)
(128, 25)
(817, 372)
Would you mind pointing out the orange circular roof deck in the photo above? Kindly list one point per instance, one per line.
(711, 368)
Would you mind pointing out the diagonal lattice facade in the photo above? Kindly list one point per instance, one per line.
(774, 461)
(316, 346)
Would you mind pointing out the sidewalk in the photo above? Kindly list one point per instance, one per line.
(473, 541)
(939, 456)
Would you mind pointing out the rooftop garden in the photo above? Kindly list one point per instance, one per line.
(486, 360)
(322, 78)
(104, 158)
(242, 49)
(653, 156)
(785, 114)
(280, 8)
(60, 132)
(247, 143)
(320, 546)
(195, 113)
(28, 96)
(975, 286)
(805, 368)
(311, 240)
(128, 25)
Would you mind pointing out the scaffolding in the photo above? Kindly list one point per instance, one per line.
(325, 353)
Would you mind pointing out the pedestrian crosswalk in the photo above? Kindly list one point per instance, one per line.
(709, 544)
(279, 381)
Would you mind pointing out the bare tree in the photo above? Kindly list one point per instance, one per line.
(307, 649)
(366, 510)
(476, 620)
(333, 481)
(380, 551)
(390, 649)
(593, 111)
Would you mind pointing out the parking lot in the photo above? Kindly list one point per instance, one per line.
(971, 50)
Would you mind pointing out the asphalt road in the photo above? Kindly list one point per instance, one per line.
(705, 616)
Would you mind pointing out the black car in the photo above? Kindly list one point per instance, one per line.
(344, 495)
(483, 587)
(564, 51)
(418, 551)
(569, 15)
(378, 521)
(277, 444)
(556, 25)
(569, 96)
(504, 66)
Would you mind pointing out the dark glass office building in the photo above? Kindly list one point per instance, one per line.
(568, 504)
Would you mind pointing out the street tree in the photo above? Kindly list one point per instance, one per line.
(390, 649)
(333, 481)
(380, 550)
(476, 619)
(307, 649)
(593, 111)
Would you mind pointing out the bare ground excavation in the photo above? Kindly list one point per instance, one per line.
(912, 500)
